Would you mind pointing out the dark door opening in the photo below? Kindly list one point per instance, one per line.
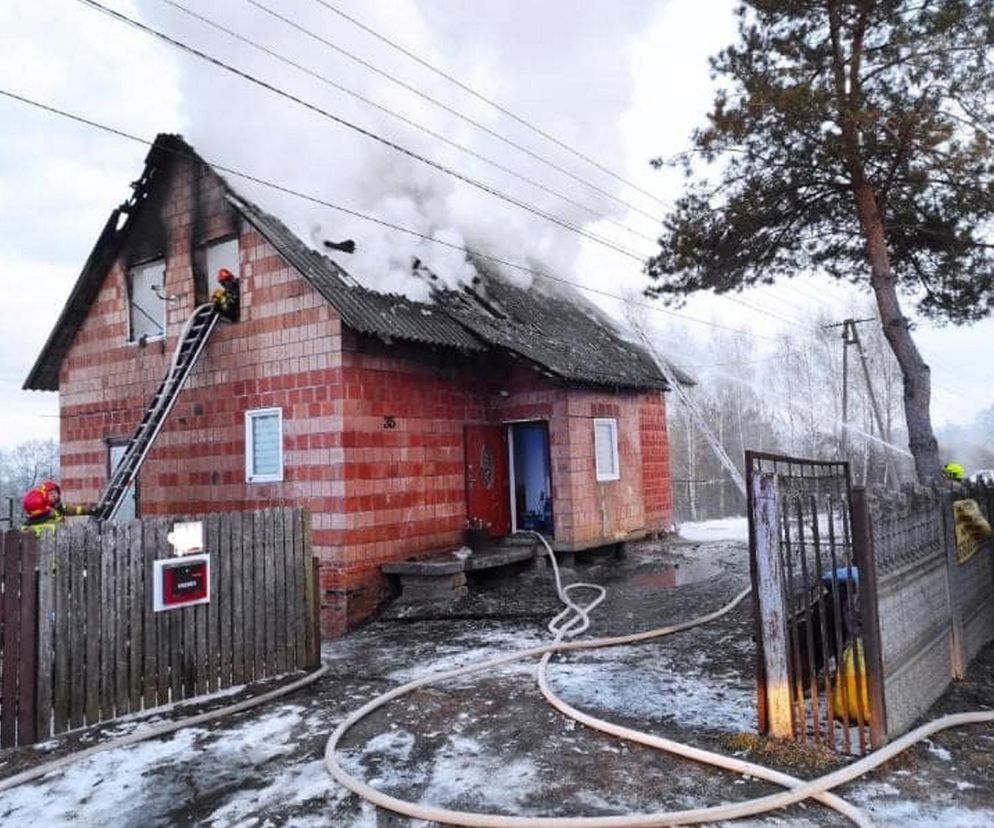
(531, 477)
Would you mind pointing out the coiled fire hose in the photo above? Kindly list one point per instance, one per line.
(573, 620)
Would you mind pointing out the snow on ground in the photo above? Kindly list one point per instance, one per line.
(294, 784)
(109, 788)
(465, 768)
(725, 529)
(886, 806)
(452, 656)
(126, 785)
(655, 690)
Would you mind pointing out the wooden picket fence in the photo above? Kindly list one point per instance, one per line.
(103, 652)
(18, 640)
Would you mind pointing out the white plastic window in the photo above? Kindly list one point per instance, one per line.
(264, 445)
(221, 255)
(606, 449)
(146, 301)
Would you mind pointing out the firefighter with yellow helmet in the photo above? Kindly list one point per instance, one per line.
(953, 471)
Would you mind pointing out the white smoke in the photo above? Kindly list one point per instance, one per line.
(551, 69)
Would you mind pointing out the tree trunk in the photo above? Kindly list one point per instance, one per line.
(914, 372)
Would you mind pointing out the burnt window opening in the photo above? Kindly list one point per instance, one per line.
(222, 254)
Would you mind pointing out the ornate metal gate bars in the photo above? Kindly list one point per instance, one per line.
(816, 628)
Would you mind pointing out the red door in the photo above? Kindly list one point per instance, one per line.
(486, 478)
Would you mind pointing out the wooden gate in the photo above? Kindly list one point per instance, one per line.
(818, 642)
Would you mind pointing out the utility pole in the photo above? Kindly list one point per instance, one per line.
(850, 336)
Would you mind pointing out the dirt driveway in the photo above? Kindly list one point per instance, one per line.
(490, 742)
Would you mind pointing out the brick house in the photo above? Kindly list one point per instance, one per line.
(393, 421)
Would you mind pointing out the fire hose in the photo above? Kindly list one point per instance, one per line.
(573, 620)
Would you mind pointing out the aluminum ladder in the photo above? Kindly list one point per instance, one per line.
(191, 344)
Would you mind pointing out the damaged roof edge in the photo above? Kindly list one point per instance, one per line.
(44, 375)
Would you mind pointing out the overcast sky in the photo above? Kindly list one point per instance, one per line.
(620, 82)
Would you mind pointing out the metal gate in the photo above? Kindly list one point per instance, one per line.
(817, 642)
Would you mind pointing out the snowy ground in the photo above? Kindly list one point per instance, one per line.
(490, 742)
(710, 531)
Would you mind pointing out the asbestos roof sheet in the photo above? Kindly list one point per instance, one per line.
(553, 326)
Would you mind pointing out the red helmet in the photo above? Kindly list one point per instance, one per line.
(224, 276)
(36, 503)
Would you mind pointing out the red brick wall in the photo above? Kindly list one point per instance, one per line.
(405, 485)
(657, 484)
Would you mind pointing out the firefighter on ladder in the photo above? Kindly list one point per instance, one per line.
(44, 509)
(226, 298)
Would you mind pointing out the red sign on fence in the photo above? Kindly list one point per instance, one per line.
(182, 582)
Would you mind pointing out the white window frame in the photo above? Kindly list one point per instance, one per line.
(132, 272)
(607, 475)
(249, 446)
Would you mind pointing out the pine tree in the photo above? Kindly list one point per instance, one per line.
(851, 137)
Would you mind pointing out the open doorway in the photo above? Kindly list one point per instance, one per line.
(531, 477)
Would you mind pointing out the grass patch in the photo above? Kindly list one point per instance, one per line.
(783, 753)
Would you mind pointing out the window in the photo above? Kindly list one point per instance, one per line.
(606, 449)
(128, 510)
(221, 254)
(147, 301)
(264, 445)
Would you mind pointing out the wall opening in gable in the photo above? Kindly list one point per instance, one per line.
(222, 254)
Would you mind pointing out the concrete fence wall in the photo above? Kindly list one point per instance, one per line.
(935, 613)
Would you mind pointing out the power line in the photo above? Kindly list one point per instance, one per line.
(479, 96)
(738, 300)
(451, 110)
(373, 219)
(404, 119)
(386, 142)
(490, 190)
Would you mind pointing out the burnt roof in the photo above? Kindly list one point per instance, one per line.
(556, 330)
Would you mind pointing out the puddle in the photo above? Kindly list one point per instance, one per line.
(674, 575)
